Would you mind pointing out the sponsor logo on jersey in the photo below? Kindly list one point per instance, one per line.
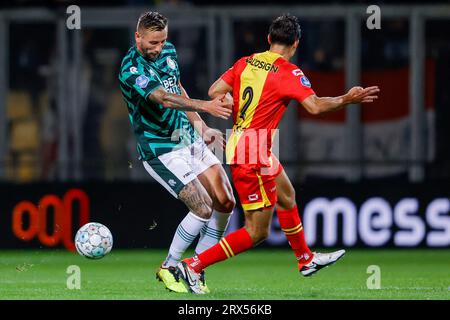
(171, 63)
(133, 70)
(253, 197)
(304, 80)
(262, 65)
(142, 81)
(170, 85)
(172, 182)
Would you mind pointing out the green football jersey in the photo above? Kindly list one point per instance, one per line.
(158, 130)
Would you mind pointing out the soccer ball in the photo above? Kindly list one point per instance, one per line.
(93, 240)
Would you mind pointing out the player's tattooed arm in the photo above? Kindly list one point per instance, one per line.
(197, 199)
(194, 118)
(216, 107)
(316, 105)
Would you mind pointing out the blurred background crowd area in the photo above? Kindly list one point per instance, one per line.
(108, 145)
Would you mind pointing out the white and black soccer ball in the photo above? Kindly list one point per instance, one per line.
(93, 240)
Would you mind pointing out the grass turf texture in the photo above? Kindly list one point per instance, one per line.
(255, 275)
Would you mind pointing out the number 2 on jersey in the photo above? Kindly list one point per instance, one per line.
(248, 91)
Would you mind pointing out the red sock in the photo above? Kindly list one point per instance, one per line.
(293, 229)
(228, 247)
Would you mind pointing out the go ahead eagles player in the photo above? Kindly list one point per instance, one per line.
(171, 150)
(262, 86)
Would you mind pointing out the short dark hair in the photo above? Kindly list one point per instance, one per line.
(285, 30)
(151, 20)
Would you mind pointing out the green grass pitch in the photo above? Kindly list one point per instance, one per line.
(256, 275)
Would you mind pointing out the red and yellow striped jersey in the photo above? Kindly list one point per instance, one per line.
(263, 85)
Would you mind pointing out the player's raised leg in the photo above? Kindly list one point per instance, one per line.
(289, 218)
(258, 203)
(255, 231)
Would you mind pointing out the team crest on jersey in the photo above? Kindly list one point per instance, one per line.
(304, 80)
(171, 63)
(133, 70)
(142, 81)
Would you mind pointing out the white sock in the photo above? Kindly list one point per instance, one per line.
(213, 231)
(186, 232)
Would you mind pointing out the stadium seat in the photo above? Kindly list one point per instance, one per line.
(19, 105)
(26, 168)
(24, 150)
(24, 136)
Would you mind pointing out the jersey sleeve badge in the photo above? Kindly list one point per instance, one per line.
(305, 82)
(142, 81)
(297, 72)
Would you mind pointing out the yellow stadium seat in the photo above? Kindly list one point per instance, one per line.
(24, 136)
(26, 168)
(19, 105)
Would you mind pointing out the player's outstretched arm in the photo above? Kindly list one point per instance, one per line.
(217, 107)
(208, 134)
(221, 88)
(316, 105)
